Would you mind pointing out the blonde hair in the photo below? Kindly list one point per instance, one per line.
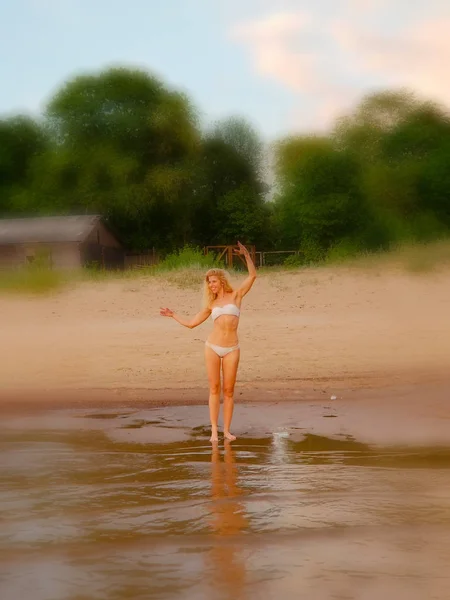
(222, 275)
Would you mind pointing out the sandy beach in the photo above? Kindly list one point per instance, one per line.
(338, 482)
(302, 334)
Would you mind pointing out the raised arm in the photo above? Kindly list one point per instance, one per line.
(189, 323)
(250, 280)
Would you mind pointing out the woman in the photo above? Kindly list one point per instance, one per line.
(223, 304)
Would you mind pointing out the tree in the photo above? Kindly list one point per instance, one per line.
(237, 133)
(363, 131)
(21, 141)
(319, 202)
(231, 194)
(397, 140)
(124, 146)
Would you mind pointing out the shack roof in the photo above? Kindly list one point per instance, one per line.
(73, 228)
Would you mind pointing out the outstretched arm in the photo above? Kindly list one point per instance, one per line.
(250, 280)
(189, 323)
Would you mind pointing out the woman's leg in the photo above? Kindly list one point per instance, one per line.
(213, 370)
(230, 364)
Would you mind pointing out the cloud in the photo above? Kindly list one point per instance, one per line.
(366, 6)
(416, 57)
(329, 64)
(292, 49)
(270, 43)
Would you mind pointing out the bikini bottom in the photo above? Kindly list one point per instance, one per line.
(221, 350)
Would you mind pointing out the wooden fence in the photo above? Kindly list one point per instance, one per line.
(260, 258)
(227, 253)
(273, 257)
(139, 261)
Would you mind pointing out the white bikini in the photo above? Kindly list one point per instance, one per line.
(228, 309)
(218, 311)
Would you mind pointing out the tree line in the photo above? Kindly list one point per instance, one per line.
(122, 144)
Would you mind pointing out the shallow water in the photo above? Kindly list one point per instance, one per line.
(136, 504)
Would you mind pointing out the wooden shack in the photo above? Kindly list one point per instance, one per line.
(59, 242)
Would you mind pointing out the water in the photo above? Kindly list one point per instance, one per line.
(136, 504)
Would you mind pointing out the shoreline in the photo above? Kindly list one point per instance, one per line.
(407, 415)
(388, 388)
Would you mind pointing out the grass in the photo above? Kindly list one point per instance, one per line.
(186, 268)
(31, 281)
(188, 257)
(416, 258)
(423, 258)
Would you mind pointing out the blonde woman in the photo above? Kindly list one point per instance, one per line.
(222, 303)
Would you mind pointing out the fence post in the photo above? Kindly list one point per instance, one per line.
(230, 257)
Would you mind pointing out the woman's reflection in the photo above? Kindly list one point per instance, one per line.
(228, 522)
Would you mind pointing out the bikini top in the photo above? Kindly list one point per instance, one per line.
(228, 309)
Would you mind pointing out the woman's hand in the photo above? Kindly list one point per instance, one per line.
(242, 250)
(166, 312)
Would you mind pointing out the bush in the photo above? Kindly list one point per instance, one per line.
(188, 257)
(344, 250)
(293, 261)
(312, 251)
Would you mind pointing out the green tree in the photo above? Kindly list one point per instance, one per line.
(22, 140)
(401, 145)
(231, 195)
(319, 203)
(419, 149)
(122, 144)
(126, 147)
(363, 131)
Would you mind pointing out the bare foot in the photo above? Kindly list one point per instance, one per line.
(214, 438)
(229, 436)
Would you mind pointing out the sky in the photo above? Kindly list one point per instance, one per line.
(288, 67)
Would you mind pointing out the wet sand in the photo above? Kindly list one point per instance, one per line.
(330, 499)
(406, 415)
